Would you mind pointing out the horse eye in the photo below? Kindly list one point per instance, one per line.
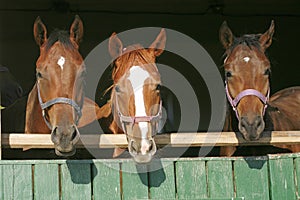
(39, 75)
(158, 87)
(228, 74)
(267, 72)
(117, 88)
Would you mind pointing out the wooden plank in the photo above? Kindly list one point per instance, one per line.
(220, 179)
(76, 181)
(7, 181)
(297, 178)
(46, 181)
(173, 140)
(22, 185)
(251, 179)
(282, 178)
(162, 180)
(134, 181)
(191, 179)
(106, 180)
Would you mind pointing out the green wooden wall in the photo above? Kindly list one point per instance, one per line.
(267, 177)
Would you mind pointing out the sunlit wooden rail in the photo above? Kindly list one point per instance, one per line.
(14, 140)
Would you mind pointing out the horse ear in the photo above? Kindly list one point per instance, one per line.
(159, 43)
(39, 31)
(76, 30)
(266, 38)
(225, 35)
(115, 46)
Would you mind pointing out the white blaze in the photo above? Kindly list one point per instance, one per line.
(137, 79)
(61, 62)
(246, 59)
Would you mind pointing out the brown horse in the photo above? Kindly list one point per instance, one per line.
(135, 99)
(56, 104)
(247, 85)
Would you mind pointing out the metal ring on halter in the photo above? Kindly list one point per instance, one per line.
(56, 101)
(234, 102)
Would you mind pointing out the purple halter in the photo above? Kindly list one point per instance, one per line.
(136, 119)
(234, 102)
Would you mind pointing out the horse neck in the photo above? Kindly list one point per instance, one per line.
(34, 119)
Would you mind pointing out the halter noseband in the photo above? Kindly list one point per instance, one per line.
(234, 102)
(137, 119)
(56, 101)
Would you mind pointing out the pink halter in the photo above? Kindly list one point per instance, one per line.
(234, 102)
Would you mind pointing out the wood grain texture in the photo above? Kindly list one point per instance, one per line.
(76, 181)
(251, 179)
(220, 179)
(173, 139)
(162, 180)
(46, 181)
(106, 181)
(282, 179)
(134, 181)
(191, 179)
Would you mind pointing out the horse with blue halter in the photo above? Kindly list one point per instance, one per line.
(135, 99)
(56, 104)
(247, 87)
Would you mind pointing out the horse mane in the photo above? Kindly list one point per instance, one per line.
(128, 56)
(250, 40)
(61, 36)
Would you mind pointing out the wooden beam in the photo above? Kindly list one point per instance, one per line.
(172, 140)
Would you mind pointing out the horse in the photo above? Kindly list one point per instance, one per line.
(135, 101)
(247, 86)
(10, 89)
(56, 104)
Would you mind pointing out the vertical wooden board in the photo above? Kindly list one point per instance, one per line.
(23, 181)
(282, 178)
(220, 180)
(46, 181)
(76, 181)
(191, 179)
(106, 181)
(7, 181)
(251, 179)
(134, 181)
(162, 180)
(297, 167)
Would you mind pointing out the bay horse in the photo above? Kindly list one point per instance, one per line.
(56, 104)
(136, 104)
(247, 86)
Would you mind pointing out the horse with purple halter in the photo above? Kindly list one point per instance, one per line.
(247, 87)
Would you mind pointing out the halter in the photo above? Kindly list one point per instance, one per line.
(137, 119)
(56, 101)
(234, 102)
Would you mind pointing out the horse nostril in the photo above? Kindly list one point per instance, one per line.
(54, 135)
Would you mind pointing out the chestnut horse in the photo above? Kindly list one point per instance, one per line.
(135, 99)
(56, 104)
(247, 85)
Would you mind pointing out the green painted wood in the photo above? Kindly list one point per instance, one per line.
(46, 181)
(162, 180)
(106, 180)
(282, 179)
(134, 181)
(22, 182)
(220, 180)
(76, 181)
(251, 179)
(297, 167)
(191, 179)
(7, 181)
